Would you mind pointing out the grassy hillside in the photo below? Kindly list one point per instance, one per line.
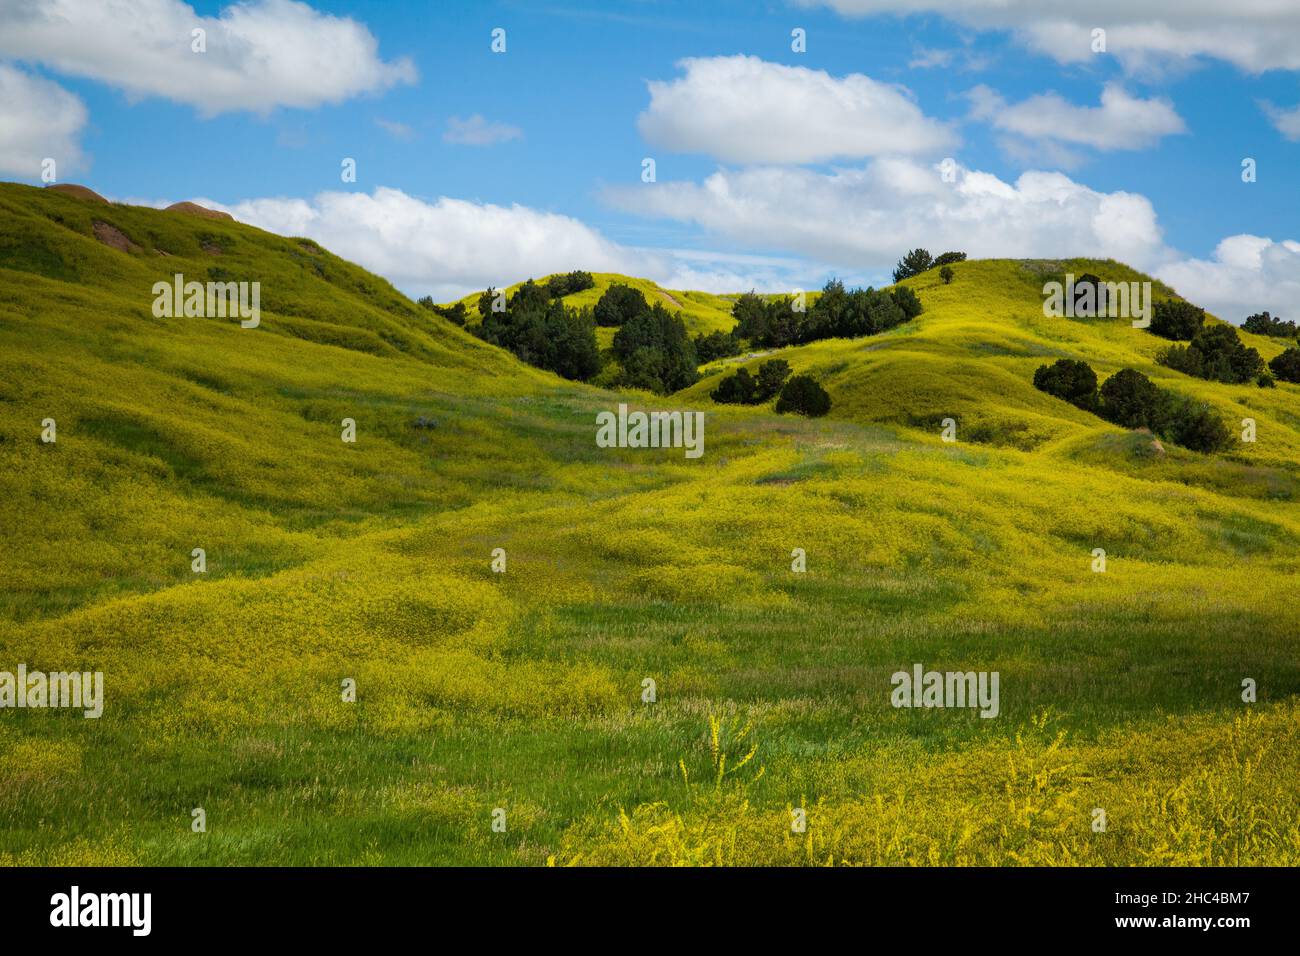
(523, 691)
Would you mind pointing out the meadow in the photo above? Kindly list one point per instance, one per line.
(523, 691)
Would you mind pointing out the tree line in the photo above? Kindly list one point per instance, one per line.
(837, 313)
(651, 346)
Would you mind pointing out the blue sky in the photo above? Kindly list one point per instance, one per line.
(761, 178)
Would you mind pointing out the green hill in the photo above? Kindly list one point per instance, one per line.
(524, 691)
(701, 312)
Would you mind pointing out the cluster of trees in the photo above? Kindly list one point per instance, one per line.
(541, 331)
(837, 313)
(1131, 400)
(741, 388)
(920, 260)
(533, 297)
(651, 344)
(1287, 365)
(456, 312)
(653, 348)
(800, 394)
(716, 345)
(576, 281)
(1216, 352)
(1261, 323)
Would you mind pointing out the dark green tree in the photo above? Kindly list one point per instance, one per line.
(771, 376)
(1177, 320)
(907, 300)
(751, 315)
(802, 395)
(1131, 400)
(1196, 426)
(913, 264)
(1070, 380)
(1286, 366)
(619, 304)
(485, 302)
(715, 345)
(735, 389)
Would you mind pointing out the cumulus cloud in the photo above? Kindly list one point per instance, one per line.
(745, 110)
(260, 54)
(476, 131)
(861, 219)
(1254, 36)
(450, 247)
(1121, 122)
(1246, 274)
(38, 119)
(447, 243)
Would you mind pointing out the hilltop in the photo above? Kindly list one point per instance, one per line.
(372, 561)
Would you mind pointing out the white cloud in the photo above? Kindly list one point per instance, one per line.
(451, 247)
(965, 59)
(1255, 35)
(742, 109)
(1286, 121)
(925, 59)
(399, 131)
(38, 119)
(1246, 274)
(260, 54)
(864, 219)
(476, 131)
(1121, 122)
(444, 244)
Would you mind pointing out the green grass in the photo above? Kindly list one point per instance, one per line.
(523, 690)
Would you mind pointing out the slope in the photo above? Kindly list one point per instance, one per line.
(525, 691)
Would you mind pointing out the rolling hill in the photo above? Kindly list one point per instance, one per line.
(520, 698)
